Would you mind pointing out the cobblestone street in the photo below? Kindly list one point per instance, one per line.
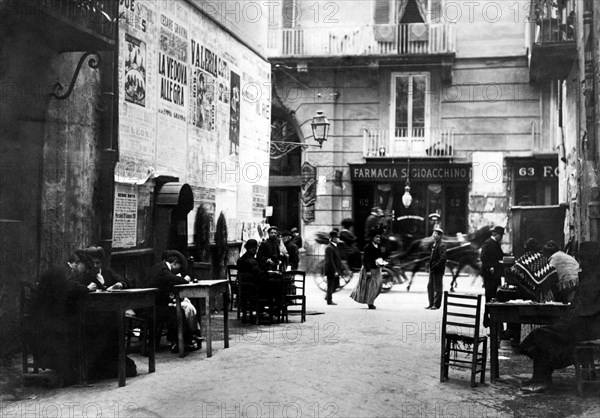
(344, 361)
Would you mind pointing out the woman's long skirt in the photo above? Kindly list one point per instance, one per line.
(368, 287)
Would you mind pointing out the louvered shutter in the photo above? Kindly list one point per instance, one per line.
(382, 11)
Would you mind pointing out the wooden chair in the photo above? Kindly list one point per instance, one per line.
(137, 327)
(246, 299)
(29, 329)
(461, 339)
(586, 358)
(295, 297)
(271, 297)
(232, 277)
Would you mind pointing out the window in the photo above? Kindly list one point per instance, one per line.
(410, 113)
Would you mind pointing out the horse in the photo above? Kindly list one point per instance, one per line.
(461, 251)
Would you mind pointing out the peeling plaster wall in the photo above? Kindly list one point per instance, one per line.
(48, 161)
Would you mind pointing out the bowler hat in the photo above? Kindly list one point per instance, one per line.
(286, 233)
(272, 228)
(294, 229)
(334, 234)
(251, 243)
(498, 230)
(438, 228)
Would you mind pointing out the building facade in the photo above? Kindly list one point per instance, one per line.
(119, 118)
(194, 124)
(433, 95)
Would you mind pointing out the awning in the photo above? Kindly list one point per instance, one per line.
(176, 194)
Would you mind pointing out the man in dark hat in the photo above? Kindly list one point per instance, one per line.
(333, 266)
(248, 268)
(292, 250)
(551, 347)
(437, 267)
(491, 267)
(374, 220)
(164, 275)
(269, 255)
(296, 237)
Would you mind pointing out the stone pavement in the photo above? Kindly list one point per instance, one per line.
(344, 361)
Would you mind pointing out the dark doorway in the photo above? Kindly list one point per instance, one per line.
(286, 207)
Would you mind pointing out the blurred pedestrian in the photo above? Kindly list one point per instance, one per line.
(374, 221)
(369, 282)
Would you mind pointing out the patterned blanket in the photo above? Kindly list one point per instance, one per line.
(534, 274)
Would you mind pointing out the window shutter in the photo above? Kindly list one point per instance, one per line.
(382, 11)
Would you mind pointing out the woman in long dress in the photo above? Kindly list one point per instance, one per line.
(370, 281)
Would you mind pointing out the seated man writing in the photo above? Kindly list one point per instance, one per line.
(58, 300)
(164, 275)
(551, 347)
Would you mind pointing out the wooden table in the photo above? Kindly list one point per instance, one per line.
(119, 301)
(209, 291)
(520, 313)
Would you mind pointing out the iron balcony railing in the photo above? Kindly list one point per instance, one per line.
(404, 39)
(404, 142)
(552, 22)
(95, 16)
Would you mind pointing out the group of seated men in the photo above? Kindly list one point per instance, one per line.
(57, 303)
(261, 262)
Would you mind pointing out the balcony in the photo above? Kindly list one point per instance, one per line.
(553, 49)
(403, 143)
(383, 40)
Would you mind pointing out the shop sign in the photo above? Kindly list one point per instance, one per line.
(399, 172)
(547, 170)
(309, 191)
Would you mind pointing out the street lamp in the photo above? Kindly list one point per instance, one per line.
(406, 197)
(320, 127)
(320, 130)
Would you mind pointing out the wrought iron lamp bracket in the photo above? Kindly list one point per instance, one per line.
(94, 63)
(281, 148)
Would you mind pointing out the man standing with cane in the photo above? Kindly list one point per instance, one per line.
(437, 267)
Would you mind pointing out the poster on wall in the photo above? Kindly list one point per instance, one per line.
(125, 217)
(309, 191)
(234, 108)
(135, 70)
(137, 90)
(173, 89)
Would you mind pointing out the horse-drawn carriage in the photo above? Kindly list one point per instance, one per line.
(407, 254)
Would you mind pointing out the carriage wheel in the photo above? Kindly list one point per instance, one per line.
(321, 279)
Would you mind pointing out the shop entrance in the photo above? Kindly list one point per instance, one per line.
(448, 201)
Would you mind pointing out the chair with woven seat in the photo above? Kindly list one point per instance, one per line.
(295, 296)
(462, 344)
(586, 358)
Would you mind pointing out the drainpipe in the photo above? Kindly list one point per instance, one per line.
(109, 143)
